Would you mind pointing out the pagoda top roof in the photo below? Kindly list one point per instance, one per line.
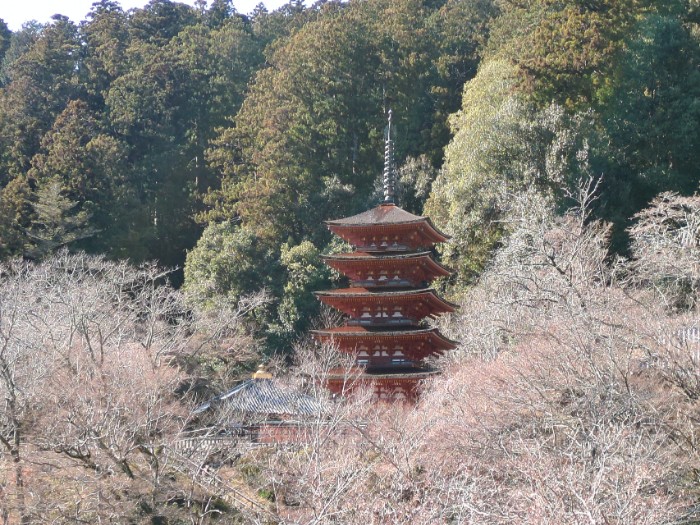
(385, 214)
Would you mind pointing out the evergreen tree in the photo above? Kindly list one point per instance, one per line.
(42, 81)
(226, 264)
(57, 223)
(105, 34)
(5, 38)
(160, 20)
(20, 42)
(220, 12)
(654, 107)
(15, 215)
(91, 167)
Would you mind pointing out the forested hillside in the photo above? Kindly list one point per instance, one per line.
(165, 130)
(555, 141)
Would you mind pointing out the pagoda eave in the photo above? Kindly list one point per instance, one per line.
(362, 292)
(388, 377)
(407, 269)
(385, 237)
(386, 215)
(379, 305)
(354, 336)
(388, 387)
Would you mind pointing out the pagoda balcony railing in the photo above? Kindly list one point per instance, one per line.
(373, 363)
(383, 321)
(383, 247)
(386, 283)
(408, 367)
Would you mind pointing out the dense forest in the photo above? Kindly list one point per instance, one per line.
(555, 141)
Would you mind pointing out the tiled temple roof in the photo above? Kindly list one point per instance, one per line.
(382, 214)
(265, 397)
(385, 215)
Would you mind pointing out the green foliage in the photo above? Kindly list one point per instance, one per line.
(227, 263)
(267, 494)
(20, 42)
(57, 221)
(167, 108)
(306, 273)
(64, 152)
(565, 51)
(603, 91)
(160, 20)
(307, 144)
(5, 37)
(416, 176)
(271, 29)
(105, 34)
(654, 107)
(458, 31)
(504, 146)
(90, 166)
(42, 81)
(15, 213)
(482, 161)
(219, 13)
(121, 109)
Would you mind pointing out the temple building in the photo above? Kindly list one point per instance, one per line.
(390, 271)
(262, 409)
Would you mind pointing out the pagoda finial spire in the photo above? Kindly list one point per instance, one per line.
(389, 168)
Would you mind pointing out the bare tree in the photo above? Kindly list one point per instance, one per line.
(89, 354)
(559, 415)
(666, 247)
(318, 478)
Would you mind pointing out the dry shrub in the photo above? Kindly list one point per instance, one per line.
(89, 354)
(583, 407)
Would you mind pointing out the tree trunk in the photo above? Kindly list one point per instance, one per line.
(19, 488)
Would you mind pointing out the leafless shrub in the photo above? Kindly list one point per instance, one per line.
(666, 246)
(317, 478)
(88, 350)
(575, 407)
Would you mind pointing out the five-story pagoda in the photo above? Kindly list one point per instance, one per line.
(389, 270)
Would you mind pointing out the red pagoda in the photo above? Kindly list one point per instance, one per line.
(389, 296)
